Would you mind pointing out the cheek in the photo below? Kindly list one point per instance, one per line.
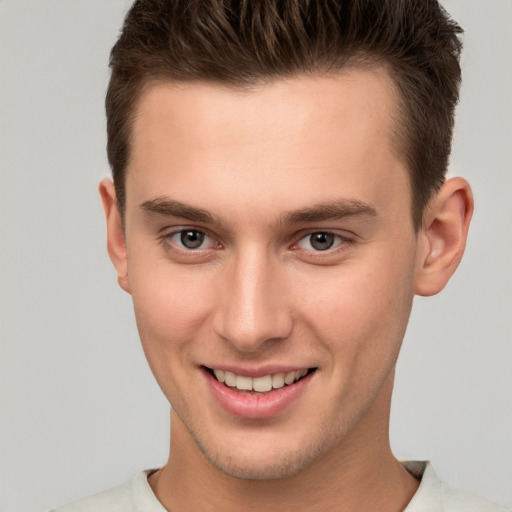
(171, 306)
(362, 310)
(165, 306)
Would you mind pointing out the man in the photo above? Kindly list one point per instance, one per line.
(279, 197)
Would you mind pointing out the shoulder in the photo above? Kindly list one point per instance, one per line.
(133, 496)
(433, 495)
(113, 500)
(459, 501)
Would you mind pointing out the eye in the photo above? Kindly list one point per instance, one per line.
(320, 241)
(191, 239)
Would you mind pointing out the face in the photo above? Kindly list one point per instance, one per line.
(271, 259)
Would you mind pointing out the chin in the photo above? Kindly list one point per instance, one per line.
(258, 464)
(249, 469)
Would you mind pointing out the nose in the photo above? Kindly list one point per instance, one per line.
(253, 310)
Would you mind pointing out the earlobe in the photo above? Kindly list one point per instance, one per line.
(115, 233)
(443, 236)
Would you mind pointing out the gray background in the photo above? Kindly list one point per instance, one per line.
(79, 410)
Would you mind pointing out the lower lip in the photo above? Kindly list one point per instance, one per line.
(257, 406)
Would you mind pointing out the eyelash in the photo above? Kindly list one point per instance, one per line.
(167, 241)
(337, 241)
(341, 243)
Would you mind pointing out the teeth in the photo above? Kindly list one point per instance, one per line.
(259, 384)
(278, 380)
(219, 374)
(243, 383)
(262, 384)
(289, 378)
(230, 379)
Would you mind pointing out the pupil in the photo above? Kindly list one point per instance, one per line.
(192, 239)
(322, 241)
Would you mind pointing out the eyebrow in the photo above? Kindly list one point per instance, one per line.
(171, 208)
(331, 210)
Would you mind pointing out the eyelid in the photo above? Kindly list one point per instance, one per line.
(166, 238)
(344, 241)
(166, 235)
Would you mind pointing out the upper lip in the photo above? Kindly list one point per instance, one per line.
(257, 371)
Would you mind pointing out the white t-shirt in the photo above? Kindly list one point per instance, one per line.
(432, 496)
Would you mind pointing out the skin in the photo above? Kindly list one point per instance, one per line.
(257, 292)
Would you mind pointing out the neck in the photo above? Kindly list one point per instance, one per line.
(360, 474)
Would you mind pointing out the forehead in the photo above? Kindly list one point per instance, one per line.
(300, 136)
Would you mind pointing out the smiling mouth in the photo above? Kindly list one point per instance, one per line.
(262, 384)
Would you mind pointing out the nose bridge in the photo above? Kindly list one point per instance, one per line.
(253, 310)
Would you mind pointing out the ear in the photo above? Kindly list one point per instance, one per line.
(443, 236)
(115, 234)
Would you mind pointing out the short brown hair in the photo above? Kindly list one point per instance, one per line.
(241, 43)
